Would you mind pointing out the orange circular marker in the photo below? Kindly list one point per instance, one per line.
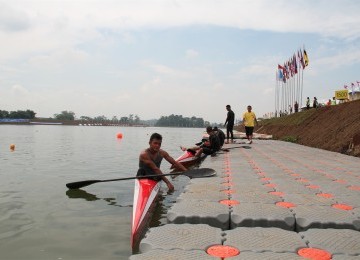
(325, 195)
(341, 181)
(119, 136)
(222, 251)
(312, 186)
(277, 193)
(314, 253)
(295, 174)
(227, 178)
(271, 185)
(228, 191)
(285, 204)
(229, 184)
(354, 188)
(229, 202)
(266, 179)
(342, 206)
(302, 180)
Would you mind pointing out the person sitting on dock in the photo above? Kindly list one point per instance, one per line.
(208, 148)
(220, 134)
(150, 160)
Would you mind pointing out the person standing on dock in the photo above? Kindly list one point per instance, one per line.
(249, 120)
(230, 119)
(150, 160)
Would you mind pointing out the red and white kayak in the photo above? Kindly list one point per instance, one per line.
(188, 158)
(145, 194)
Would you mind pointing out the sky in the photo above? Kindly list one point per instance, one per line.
(155, 58)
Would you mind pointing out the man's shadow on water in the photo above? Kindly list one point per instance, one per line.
(81, 194)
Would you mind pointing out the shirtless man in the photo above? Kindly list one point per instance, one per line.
(150, 160)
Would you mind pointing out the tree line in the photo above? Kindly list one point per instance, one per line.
(19, 114)
(132, 119)
(180, 121)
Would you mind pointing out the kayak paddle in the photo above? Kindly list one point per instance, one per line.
(194, 173)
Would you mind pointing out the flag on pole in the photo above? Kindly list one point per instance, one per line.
(306, 59)
(280, 75)
(295, 64)
(301, 59)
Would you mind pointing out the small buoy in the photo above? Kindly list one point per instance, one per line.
(12, 147)
(119, 135)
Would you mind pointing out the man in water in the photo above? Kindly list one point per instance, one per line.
(230, 119)
(150, 160)
(249, 120)
(208, 148)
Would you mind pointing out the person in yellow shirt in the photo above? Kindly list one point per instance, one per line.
(249, 121)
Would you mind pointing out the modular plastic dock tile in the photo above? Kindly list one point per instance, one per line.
(308, 199)
(314, 216)
(261, 215)
(299, 189)
(206, 196)
(200, 212)
(258, 196)
(264, 239)
(172, 254)
(199, 187)
(184, 237)
(349, 200)
(252, 187)
(266, 256)
(335, 241)
(345, 257)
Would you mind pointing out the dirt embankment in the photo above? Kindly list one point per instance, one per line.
(334, 128)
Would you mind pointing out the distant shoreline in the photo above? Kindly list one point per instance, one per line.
(67, 122)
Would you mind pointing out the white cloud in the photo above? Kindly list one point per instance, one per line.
(190, 54)
(164, 70)
(347, 57)
(19, 90)
(59, 58)
(13, 20)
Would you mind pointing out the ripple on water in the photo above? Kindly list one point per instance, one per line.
(13, 221)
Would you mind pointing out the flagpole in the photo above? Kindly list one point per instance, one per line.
(276, 88)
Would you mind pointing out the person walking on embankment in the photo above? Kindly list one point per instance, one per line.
(249, 120)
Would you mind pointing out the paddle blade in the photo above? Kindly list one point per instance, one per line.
(80, 184)
(200, 173)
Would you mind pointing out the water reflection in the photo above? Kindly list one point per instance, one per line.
(81, 194)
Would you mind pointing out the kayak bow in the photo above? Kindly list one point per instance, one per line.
(145, 194)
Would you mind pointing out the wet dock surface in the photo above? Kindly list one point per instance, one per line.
(269, 200)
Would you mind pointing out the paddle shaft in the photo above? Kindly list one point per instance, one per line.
(189, 173)
(142, 177)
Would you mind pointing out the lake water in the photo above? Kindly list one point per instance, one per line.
(41, 219)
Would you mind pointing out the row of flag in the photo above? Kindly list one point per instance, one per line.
(290, 68)
(352, 85)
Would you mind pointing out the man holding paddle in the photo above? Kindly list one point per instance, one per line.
(150, 160)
